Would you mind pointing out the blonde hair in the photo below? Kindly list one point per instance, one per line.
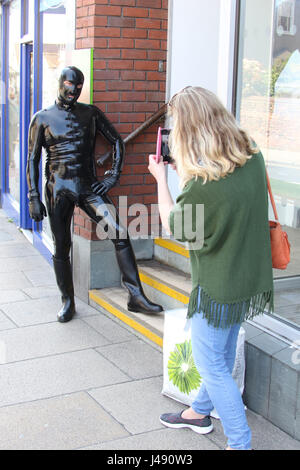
(206, 140)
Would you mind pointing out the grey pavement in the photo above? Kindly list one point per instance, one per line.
(88, 384)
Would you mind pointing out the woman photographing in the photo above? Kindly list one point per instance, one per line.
(220, 167)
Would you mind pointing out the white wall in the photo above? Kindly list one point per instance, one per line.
(200, 50)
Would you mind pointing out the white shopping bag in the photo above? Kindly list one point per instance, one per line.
(181, 378)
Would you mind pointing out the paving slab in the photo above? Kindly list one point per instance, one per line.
(162, 439)
(5, 323)
(137, 405)
(61, 423)
(12, 295)
(52, 376)
(13, 280)
(136, 358)
(32, 312)
(111, 330)
(41, 310)
(49, 339)
(41, 277)
(16, 249)
(38, 293)
(23, 263)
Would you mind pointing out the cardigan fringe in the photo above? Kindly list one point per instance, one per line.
(235, 312)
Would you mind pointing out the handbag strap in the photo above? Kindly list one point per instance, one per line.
(271, 197)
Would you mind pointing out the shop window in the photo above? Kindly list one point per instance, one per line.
(268, 106)
(14, 98)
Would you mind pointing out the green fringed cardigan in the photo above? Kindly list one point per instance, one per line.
(233, 269)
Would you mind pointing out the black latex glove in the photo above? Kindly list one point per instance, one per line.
(37, 210)
(102, 187)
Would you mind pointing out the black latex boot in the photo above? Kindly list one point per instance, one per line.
(63, 273)
(137, 301)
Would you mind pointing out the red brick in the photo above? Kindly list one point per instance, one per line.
(100, 21)
(151, 75)
(136, 12)
(83, 232)
(107, 31)
(133, 75)
(124, 128)
(106, 96)
(86, 43)
(145, 65)
(139, 85)
(82, 12)
(150, 199)
(147, 44)
(123, 2)
(119, 107)
(149, 3)
(134, 54)
(81, 33)
(121, 43)
(132, 117)
(100, 43)
(143, 107)
(106, 74)
(76, 230)
(120, 64)
(84, 21)
(79, 220)
(131, 179)
(161, 13)
(99, 64)
(145, 189)
(156, 55)
(109, 54)
(122, 22)
(157, 34)
(133, 96)
(134, 33)
(143, 148)
(112, 117)
(108, 10)
(89, 225)
(119, 85)
(149, 179)
(147, 23)
(99, 86)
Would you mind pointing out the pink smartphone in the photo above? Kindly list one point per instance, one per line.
(158, 146)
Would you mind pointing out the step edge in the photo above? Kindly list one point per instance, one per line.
(119, 312)
(172, 246)
(164, 287)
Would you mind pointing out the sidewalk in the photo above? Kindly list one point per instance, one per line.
(87, 384)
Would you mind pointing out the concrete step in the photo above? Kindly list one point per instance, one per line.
(162, 284)
(172, 253)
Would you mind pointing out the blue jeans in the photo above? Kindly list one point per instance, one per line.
(214, 354)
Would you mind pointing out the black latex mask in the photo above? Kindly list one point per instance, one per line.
(70, 85)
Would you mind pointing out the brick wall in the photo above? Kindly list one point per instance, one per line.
(129, 38)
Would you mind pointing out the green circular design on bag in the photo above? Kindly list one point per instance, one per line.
(181, 368)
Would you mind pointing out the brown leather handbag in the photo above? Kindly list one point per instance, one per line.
(280, 245)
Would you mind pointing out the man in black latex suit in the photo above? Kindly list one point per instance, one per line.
(67, 130)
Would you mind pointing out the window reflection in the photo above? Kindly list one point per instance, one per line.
(14, 98)
(269, 108)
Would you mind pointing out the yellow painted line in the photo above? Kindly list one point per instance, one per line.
(172, 246)
(125, 318)
(163, 288)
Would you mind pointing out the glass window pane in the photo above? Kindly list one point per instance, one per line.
(268, 106)
(14, 98)
(56, 18)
